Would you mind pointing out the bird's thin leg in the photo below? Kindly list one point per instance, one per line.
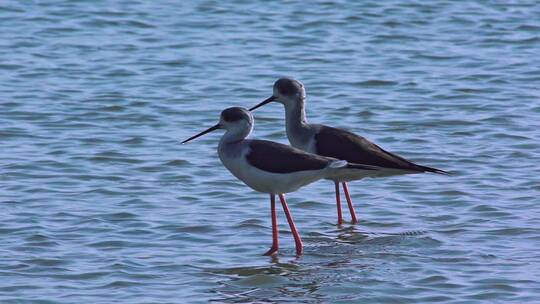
(349, 202)
(275, 232)
(338, 205)
(296, 235)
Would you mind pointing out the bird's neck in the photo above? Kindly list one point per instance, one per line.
(235, 135)
(296, 123)
(230, 147)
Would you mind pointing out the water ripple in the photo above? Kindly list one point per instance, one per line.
(100, 202)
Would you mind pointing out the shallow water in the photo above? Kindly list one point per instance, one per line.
(100, 203)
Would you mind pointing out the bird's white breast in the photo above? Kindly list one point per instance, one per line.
(263, 181)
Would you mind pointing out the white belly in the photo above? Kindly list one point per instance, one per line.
(267, 182)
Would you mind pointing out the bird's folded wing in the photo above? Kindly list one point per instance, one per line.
(341, 144)
(278, 158)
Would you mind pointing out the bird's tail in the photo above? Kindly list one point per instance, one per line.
(363, 167)
(341, 169)
(432, 170)
(343, 164)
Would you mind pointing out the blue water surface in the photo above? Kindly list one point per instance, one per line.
(99, 203)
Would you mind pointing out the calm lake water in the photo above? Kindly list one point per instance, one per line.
(99, 202)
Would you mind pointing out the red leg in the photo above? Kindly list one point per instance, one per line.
(349, 202)
(338, 205)
(296, 235)
(275, 233)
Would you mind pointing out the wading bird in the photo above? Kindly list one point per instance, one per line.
(274, 168)
(332, 142)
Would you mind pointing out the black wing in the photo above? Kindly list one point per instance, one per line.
(278, 158)
(341, 144)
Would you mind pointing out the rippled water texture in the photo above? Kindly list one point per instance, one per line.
(100, 203)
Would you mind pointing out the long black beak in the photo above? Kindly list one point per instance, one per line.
(217, 126)
(268, 100)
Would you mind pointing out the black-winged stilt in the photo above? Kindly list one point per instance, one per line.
(332, 142)
(274, 168)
